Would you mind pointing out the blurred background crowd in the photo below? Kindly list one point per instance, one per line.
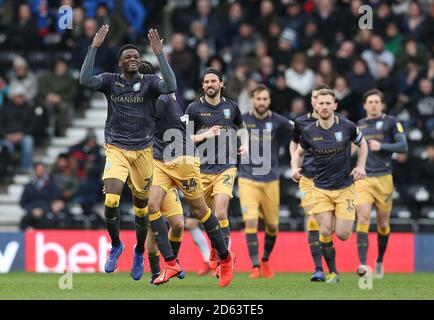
(289, 45)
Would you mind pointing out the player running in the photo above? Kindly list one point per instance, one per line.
(175, 166)
(306, 184)
(258, 181)
(215, 119)
(329, 139)
(128, 139)
(385, 135)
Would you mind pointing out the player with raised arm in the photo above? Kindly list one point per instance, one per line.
(385, 135)
(176, 166)
(329, 139)
(128, 141)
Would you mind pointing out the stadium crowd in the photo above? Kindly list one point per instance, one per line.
(289, 45)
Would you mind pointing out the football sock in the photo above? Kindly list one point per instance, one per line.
(224, 225)
(175, 243)
(215, 234)
(154, 262)
(112, 221)
(328, 251)
(315, 251)
(362, 242)
(270, 240)
(159, 230)
(252, 244)
(383, 238)
(141, 224)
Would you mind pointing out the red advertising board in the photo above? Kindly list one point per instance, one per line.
(86, 251)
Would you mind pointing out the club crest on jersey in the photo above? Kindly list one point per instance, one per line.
(227, 113)
(379, 125)
(136, 86)
(339, 137)
(268, 125)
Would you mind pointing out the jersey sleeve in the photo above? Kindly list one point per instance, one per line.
(154, 80)
(238, 120)
(286, 129)
(107, 80)
(304, 140)
(296, 132)
(355, 133)
(396, 126)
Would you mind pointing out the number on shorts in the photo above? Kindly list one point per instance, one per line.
(176, 195)
(189, 184)
(227, 181)
(350, 205)
(388, 198)
(148, 184)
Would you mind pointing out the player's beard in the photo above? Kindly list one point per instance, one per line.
(324, 116)
(261, 110)
(212, 95)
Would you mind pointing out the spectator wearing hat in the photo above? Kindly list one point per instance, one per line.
(16, 125)
(294, 18)
(22, 76)
(285, 47)
(57, 92)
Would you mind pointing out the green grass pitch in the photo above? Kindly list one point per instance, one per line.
(282, 286)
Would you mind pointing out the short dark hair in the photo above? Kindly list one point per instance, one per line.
(321, 86)
(146, 67)
(212, 71)
(373, 92)
(260, 88)
(327, 92)
(126, 47)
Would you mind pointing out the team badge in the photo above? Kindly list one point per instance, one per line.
(379, 125)
(227, 113)
(339, 137)
(136, 86)
(268, 125)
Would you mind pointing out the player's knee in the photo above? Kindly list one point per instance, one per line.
(177, 227)
(271, 229)
(112, 200)
(362, 219)
(326, 231)
(343, 234)
(221, 214)
(153, 207)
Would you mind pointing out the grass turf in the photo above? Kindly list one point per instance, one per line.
(282, 286)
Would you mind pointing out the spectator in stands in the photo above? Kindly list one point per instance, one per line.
(283, 56)
(326, 69)
(236, 82)
(408, 81)
(266, 17)
(423, 101)
(394, 39)
(229, 27)
(205, 14)
(411, 51)
(297, 108)
(118, 27)
(57, 90)
(294, 18)
(22, 76)
(71, 36)
(64, 178)
(360, 79)
(326, 18)
(267, 71)
(3, 91)
(299, 77)
(343, 59)
(272, 36)
(348, 104)
(376, 54)
(413, 22)
(428, 31)
(316, 52)
(16, 125)
(245, 98)
(182, 61)
(281, 95)
(39, 192)
(22, 34)
(243, 44)
(57, 217)
(386, 83)
(383, 17)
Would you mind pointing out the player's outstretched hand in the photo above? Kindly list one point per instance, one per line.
(212, 132)
(296, 175)
(358, 173)
(155, 41)
(99, 37)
